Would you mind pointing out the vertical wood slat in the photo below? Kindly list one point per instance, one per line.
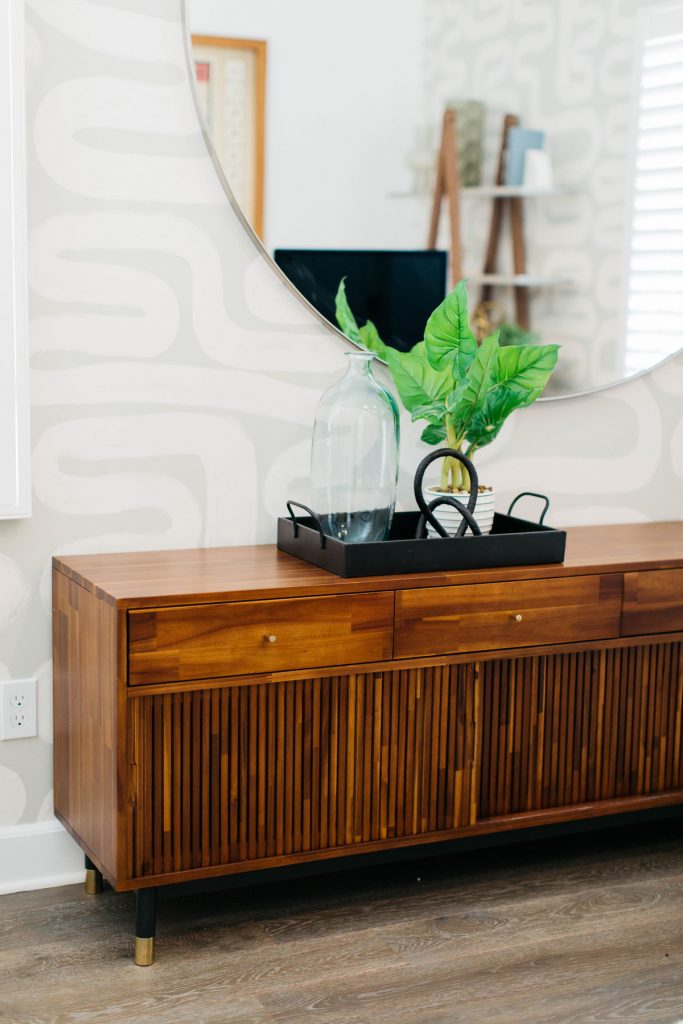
(609, 726)
(240, 773)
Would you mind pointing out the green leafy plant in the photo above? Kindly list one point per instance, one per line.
(463, 389)
(513, 334)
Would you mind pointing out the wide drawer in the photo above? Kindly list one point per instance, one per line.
(205, 640)
(496, 616)
(653, 602)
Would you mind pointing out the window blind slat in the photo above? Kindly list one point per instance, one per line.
(661, 140)
(661, 97)
(655, 302)
(664, 263)
(672, 74)
(659, 181)
(655, 283)
(658, 160)
(661, 323)
(665, 118)
(663, 55)
(657, 241)
(662, 201)
(657, 221)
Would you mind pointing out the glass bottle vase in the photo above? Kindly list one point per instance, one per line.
(354, 458)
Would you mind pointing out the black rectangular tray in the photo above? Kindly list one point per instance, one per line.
(512, 541)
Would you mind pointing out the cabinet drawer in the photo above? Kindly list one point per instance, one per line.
(653, 602)
(201, 641)
(495, 616)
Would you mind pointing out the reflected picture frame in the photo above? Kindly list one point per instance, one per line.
(230, 75)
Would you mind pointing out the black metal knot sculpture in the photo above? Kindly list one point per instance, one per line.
(427, 510)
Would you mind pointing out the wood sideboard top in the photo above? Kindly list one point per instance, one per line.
(143, 578)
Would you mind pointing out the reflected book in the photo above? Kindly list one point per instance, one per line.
(518, 142)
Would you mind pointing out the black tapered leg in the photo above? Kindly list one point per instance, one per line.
(145, 926)
(93, 878)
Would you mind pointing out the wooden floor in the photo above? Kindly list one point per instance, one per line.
(587, 930)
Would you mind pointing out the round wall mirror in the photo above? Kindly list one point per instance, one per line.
(534, 150)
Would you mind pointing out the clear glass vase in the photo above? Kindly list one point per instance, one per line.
(354, 459)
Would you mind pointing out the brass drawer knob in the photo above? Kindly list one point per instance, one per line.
(517, 617)
(271, 638)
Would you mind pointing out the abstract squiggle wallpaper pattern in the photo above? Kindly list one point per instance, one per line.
(174, 377)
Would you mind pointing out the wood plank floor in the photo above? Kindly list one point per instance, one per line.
(587, 930)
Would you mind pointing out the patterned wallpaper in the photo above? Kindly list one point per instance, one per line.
(174, 377)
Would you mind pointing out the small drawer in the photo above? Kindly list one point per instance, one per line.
(653, 602)
(209, 640)
(495, 616)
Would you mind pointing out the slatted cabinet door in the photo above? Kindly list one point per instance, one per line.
(269, 772)
(575, 728)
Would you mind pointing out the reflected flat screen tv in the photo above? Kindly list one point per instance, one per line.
(396, 289)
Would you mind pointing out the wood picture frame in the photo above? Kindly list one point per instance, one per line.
(232, 93)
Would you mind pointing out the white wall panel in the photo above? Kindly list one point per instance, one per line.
(14, 425)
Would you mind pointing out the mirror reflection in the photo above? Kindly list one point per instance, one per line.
(534, 149)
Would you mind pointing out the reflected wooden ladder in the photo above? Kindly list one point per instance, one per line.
(447, 185)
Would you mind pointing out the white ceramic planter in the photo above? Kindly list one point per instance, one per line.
(450, 518)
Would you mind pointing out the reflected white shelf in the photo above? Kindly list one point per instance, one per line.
(520, 280)
(493, 192)
(514, 191)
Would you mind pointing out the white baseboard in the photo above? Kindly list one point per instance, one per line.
(38, 856)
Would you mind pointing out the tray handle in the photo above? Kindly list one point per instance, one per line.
(295, 521)
(531, 494)
(467, 517)
(426, 510)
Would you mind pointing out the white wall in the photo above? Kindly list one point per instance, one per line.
(343, 95)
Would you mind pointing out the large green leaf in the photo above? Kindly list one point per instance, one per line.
(434, 433)
(345, 318)
(448, 337)
(481, 377)
(417, 382)
(526, 369)
(453, 397)
(523, 372)
(433, 412)
(369, 337)
(487, 421)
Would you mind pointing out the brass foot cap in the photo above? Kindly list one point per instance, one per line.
(144, 952)
(93, 882)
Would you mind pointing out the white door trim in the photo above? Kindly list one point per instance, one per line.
(15, 478)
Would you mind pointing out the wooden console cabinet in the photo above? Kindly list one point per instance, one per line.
(225, 710)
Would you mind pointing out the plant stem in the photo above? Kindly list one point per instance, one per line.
(447, 467)
(456, 473)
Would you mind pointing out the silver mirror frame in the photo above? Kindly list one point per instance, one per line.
(262, 251)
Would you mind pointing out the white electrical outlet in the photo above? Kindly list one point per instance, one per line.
(18, 710)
